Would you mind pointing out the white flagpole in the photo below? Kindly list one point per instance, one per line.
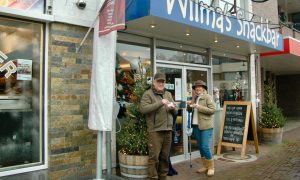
(108, 152)
(101, 105)
(87, 33)
(99, 168)
(99, 155)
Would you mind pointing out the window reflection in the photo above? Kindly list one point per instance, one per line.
(129, 59)
(180, 56)
(26, 5)
(230, 80)
(20, 94)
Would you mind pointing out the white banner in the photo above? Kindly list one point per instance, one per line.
(102, 81)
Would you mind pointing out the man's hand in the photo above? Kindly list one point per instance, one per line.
(164, 101)
(171, 105)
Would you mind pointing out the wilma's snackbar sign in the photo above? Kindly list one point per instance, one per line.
(198, 14)
(9, 66)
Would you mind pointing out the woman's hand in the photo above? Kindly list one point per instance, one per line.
(194, 105)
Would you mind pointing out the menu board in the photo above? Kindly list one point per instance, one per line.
(234, 124)
(237, 126)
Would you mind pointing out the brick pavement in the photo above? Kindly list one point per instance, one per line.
(276, 162)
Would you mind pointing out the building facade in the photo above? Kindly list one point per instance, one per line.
(282, 67)
(45, 84)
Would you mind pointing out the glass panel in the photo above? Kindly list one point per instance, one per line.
(191, 77)
(21, 45)
(27, 5)
(180, 56)
(174, 85)
(128, 59)
(230, 80)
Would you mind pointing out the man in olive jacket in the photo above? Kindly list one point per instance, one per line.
(158, 106)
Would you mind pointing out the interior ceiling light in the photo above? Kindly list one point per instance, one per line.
(259, 1)
(152, 26)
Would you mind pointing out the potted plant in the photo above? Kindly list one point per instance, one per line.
(132, 140)
(272, 120)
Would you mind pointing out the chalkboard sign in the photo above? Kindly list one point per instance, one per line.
(237, 119)
(234, 124)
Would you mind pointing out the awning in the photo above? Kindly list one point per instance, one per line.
(283, 62)
(174, 19)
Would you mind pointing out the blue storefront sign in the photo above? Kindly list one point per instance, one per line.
(199, 15)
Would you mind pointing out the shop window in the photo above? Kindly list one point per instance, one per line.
(180, 56)
(129, 59)
(230, 80)
(21, 103)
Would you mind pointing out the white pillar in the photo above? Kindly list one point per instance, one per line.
(254, 80)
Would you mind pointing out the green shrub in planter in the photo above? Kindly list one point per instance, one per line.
(133, 137)
(271, 116)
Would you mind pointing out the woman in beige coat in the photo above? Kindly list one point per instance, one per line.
(202, 123)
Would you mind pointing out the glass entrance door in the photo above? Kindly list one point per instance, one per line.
(179, 80)
(193, 75)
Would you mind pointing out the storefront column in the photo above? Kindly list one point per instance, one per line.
(259, 84)
(210, 78)
(253, 81)
(153, 55)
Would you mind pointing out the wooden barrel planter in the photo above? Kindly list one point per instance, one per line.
(271, 135)
(133, 167)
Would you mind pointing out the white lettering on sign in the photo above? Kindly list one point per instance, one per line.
(2, 57)
(214, 18)
(259, 32)
(170, 4)
(10, 67)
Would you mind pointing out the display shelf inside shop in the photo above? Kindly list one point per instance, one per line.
(14, 103)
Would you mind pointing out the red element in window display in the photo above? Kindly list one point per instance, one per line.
(237, 94)
(124, 85)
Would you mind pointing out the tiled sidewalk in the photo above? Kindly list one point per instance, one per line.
(276, 162)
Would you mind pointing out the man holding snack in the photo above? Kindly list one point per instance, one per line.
(158, 106)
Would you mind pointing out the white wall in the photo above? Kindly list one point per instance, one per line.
(66, 11)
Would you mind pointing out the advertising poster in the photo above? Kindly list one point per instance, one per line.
(24, 69)
(178, 89)
(169, 86)
(32, 5)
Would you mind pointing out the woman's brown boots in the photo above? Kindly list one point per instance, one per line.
(204, 168)
(208, 166)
